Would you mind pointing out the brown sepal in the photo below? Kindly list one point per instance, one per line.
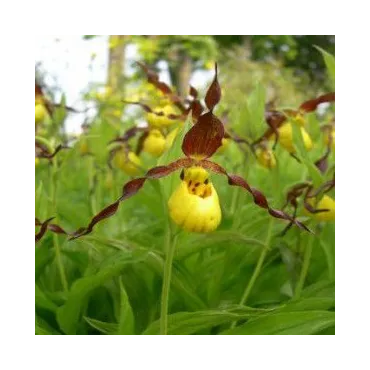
(204, 138)
(213, 95)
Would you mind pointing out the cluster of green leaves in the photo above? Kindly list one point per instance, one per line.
(114, 275)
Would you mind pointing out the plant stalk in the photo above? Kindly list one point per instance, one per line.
(305, 267)
(170, 244)
(257, 269)
(53, 193)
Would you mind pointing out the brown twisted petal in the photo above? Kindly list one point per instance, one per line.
(162, 171)
(44, 226)
(153, 78)
(204, 138)
(311, 105)
(274, 120)
(258, 197)
(48, 226)
(130, 133)
(144, 106)
(43, 152)
(157, 113)
(129, 190)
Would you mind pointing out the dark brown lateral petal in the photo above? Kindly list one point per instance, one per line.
(129, 190)
(158, 112)
(44, 227)
(258, 197)
(213, 95)
(43, 152)
(57, 150)
(153, 78)
(69, 109)
(162, 171)
(274, 120)
(150, 74)
(311, 105)
(130, 133)
(41, 149)
(56, 229)
(105, 213)
(204, 138)
(144, 106)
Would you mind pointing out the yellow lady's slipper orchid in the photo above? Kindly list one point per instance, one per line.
(194, 205)
(266, 157)
(154, 143)
(37, 161)
(40, 112)
(160, 121)
(299, 120)
(326, 202)
(286, 137)
(224, 146)
(129, 162)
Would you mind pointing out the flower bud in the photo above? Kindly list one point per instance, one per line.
(40, 113)
(286, 137)
(154, 143)
(266, 157)
(128, 162)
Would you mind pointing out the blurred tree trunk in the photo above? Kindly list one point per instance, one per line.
(180, 74)
(115, 79)
(116, 61)
(247, 46)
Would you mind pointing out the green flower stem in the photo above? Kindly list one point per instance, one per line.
(93, 204)
(305, 267)
(257, 269)
(170, 244)
(53, 192)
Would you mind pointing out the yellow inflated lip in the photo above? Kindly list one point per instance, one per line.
(194, 213)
